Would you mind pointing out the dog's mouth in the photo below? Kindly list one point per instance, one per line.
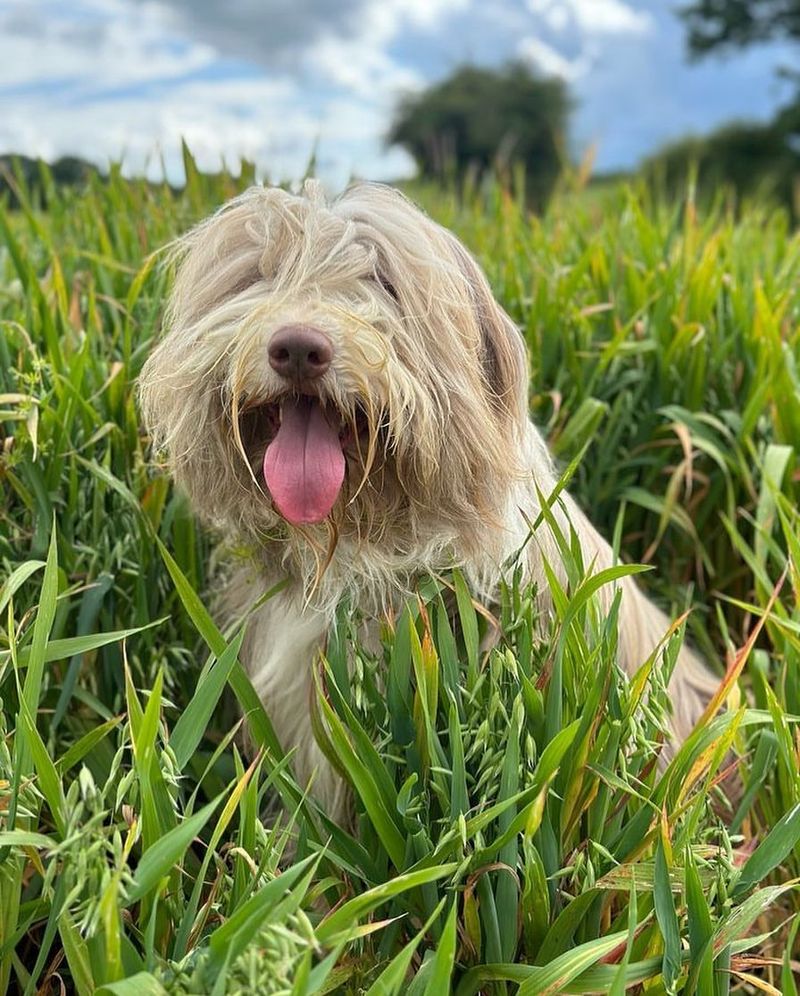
(304, 463)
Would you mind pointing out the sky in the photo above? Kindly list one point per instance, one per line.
(274, 80)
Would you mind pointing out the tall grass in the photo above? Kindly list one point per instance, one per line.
(512, 830)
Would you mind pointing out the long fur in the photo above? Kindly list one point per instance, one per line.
(433, 377)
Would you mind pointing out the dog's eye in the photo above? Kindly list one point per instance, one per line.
(388, 286)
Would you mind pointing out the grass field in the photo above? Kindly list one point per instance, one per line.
(514, 834)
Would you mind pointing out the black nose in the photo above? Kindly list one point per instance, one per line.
(300, 353)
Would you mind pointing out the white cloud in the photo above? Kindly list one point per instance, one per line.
(426, 14)
(111, 44)
(365, 70)
(106, 80)
(551, 62)
(140, 128)
(592, 16)
(361, 62)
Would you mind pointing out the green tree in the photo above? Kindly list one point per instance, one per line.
(17, 170)
(479, 119)
(717, 23)
(751, 160)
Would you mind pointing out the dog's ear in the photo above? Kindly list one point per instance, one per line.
(183, 381)
(503, 354)
(185, 419)
(435, 281)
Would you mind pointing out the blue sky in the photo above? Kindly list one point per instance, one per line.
(111, 79)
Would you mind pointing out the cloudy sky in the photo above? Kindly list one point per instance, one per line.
(274, 79)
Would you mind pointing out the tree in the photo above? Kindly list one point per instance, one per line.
(480, 119)
(771, 152)
(715, 24)
(15, 170)
(750, 160)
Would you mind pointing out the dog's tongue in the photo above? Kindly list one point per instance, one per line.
(304, 463)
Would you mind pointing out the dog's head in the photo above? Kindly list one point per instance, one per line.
(339, 367)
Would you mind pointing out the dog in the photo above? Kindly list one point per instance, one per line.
(338, 390)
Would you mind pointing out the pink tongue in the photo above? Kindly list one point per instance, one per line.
(304, 463)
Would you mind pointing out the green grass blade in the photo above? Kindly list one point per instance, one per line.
(239, 929)
(77, 956)
(667, 920)
(260, 725)
(81, 748)
(194, 719)
(160, 859)
(442, 971)
(359, 906)
(59, 650)
(552, 979)
(772, 850)
(700, 931)
(48, 779)
(16, 579)
(141, 984)
(392, 979)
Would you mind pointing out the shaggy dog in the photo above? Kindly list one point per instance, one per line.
(338, 389)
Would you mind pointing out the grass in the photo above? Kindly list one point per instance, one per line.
(513, 832)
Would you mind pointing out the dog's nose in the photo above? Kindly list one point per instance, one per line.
(300, 353)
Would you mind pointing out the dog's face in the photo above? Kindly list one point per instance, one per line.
(336, 371)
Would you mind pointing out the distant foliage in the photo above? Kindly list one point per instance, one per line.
(716, 23)
(16, 171)
(748, 160)
(482, 119)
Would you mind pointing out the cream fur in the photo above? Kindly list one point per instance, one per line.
(434, 374)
